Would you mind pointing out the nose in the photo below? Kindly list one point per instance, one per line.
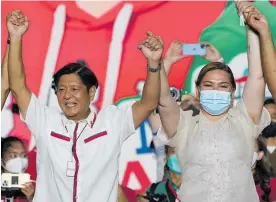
(67, 94)
(215, 86)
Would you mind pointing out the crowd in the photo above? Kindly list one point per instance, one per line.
(207, 148)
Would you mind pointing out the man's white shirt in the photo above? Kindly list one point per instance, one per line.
(87, 171)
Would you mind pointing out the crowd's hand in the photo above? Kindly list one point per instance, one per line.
(17, 24)
(252, 16)
(152, 48)
(174, 53)
(28, 190)
(212, 54)
(141, 198)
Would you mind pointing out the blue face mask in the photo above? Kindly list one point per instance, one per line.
(215, 102)
(173, 164)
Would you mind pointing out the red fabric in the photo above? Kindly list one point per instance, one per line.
(273, 190)
(130, 194)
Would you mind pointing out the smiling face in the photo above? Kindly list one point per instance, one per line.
(73, 97)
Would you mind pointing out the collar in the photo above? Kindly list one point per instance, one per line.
(90, 119)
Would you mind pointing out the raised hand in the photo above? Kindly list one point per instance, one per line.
(212, 54)
(252, 16)
(17, 24)
(174, 53)
(152, 47)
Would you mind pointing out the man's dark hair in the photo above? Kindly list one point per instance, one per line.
(80, 68)
(269, 101)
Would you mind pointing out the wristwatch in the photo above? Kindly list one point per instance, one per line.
(154, 69)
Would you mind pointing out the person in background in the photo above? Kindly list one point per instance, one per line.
(215, 148)
(76, 145)
(269, 133)
(262, 170)
(168, 188)
(14, 160)
(188, 102)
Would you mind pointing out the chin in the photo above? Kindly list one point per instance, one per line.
(70, 113)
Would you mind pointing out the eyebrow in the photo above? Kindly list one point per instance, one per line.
(214, 81)
(16, 152)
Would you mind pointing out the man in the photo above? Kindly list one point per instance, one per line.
(269, 133)
(118, 26)
(78, 150)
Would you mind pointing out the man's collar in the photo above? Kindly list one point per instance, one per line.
(90, 119)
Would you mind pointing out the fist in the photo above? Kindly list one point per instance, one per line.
(17, 24)
(174, 53)
(152, 47)
(212, 54)
(252, 16)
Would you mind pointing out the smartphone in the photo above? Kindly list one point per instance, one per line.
(194, 49)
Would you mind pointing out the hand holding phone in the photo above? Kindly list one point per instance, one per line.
(194, 49)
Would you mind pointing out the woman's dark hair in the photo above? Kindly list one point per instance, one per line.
(215, 66)
(87, 77)
(6, 143)
(263, 170)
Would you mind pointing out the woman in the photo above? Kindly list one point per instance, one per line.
(168, 188)
(215, 148)
(14, 160)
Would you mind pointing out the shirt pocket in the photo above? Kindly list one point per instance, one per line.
(60, 137)
(95, 137)
(60, 151)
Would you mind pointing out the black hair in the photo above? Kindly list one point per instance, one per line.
(80, 68)
(6, 143)
(215, 66)
(263, 170)
(269, 101)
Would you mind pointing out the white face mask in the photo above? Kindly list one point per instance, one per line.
(16, 165)
(255, 157)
